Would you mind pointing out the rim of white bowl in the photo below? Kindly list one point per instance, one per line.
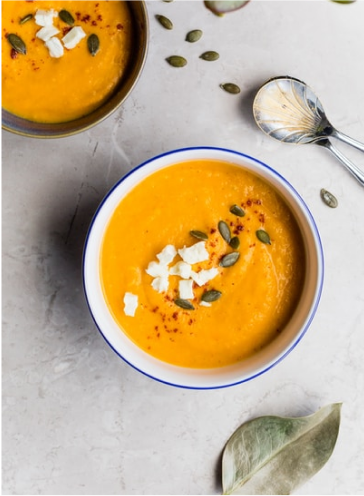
(180, 376)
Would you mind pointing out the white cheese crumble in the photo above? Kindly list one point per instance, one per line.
(45, 17)
(185, 288)
(130, 304)
(167, 255)
(195, 253)
(73, 37)
(156, 269)
(204, 276)
(55, 47)
(46, 32)
(160, 284)
(181, 269)
(205, 303)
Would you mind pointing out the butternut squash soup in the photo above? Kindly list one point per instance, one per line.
(62, 59)
(202, 264)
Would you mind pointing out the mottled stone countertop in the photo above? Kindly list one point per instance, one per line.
(76, 418)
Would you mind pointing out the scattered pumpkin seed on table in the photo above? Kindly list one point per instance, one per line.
(176, 61)
(210, 55)
(164, 21)
(328, 198)
(194, 35)
(230, 88)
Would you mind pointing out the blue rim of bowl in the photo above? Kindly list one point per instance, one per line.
(320, 256)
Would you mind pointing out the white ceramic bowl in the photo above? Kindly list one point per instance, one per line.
(223, 376)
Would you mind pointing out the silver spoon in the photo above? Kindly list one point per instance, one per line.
(286, 109)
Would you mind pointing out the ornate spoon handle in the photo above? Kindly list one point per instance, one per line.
(348, 140)
(355, 171)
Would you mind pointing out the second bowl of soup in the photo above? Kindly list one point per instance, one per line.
(203, 267)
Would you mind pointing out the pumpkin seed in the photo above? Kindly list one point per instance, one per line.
(211, 295)
(230, 88)
(234, 243)
(17, 43)
(164, 21)
(185, 304)
(328, 198)
(236, 210)
(199, 235)
(224, 230)
(230, 259)
(93, 44)
(194, 35)
(66, 17)
(176, 61)
(263, 236)
(26, 18)
(210, 56)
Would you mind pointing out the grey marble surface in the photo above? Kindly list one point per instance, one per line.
(76, 418)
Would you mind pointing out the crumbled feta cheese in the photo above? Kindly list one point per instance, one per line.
(185, 288)
(160, 284)
(130, 304)
(47, 32)
(167, 254)
(73, 37)
(205, 303)
(55, 47)
(45, 17)
(156, 269)
(195, 253)
(204, 276)
(181, 269)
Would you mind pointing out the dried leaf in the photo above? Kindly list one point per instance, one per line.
(275, 455)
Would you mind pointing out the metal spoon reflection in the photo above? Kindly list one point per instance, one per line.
(286, 109)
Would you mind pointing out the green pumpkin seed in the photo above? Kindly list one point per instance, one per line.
(230, 88)
(199, 235)
(17, 43)
(164, 21)
(185, 304)
(176, 61)
(66, 17)
(194, 35)
(224, 230)
(210, 56)
(236, 210)
(26, 18)
(210, 296)
(263, 236)
(93, 44)
(230, 259)
(234, 243)
(328, 198)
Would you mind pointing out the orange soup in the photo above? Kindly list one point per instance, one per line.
(202, 264)
(62, 59)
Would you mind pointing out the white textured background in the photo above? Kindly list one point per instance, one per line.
(76, 418)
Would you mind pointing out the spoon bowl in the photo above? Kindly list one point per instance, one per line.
(286, 109)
